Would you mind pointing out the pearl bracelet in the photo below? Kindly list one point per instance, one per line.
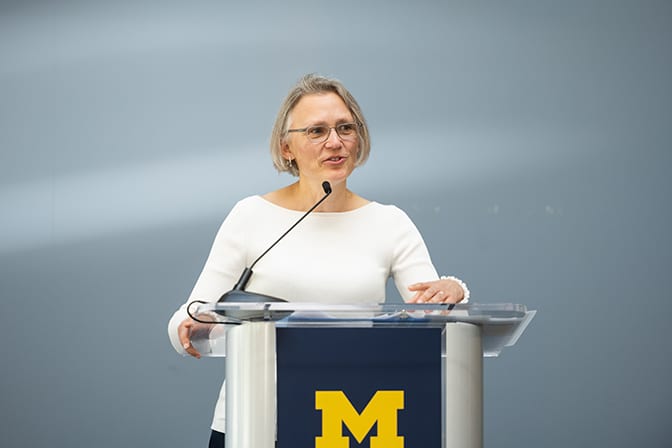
(459, 282)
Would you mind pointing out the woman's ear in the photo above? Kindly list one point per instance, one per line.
(285, 151)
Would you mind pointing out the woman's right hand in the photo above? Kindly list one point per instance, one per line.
(188, 328)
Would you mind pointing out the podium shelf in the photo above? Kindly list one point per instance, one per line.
(501, 324)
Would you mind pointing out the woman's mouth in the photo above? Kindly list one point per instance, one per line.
(334, 160)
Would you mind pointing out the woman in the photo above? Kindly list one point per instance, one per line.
(343, 252)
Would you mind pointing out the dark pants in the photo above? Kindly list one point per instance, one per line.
(217, 439)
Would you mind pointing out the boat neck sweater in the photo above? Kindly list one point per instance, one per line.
(338, 258)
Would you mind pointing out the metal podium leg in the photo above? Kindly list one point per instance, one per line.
(250, 385)
(463, 386)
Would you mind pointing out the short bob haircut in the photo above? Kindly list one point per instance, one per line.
(308, 85)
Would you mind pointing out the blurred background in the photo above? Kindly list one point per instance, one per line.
(530, 141)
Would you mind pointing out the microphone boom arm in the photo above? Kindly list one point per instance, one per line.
(247, 273)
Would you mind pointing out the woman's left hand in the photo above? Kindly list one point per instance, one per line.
(437, 291)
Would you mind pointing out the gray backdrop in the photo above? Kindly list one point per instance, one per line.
(529, 141)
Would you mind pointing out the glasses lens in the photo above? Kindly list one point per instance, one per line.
(317, 133)
(346, 130)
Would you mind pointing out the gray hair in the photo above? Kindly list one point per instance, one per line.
(308, 85)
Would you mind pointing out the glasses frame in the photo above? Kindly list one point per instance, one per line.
(328, 134)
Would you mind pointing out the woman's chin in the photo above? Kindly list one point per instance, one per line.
(338, 175)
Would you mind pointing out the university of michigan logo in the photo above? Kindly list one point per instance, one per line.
(337, 410)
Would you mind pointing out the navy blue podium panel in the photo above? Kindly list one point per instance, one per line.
(358, 387)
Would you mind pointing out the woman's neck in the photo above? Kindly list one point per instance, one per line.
(302, 195)
(306, 194)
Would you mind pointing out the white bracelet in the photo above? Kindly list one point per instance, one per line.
(459, 282)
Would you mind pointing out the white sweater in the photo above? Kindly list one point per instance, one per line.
(328, 258)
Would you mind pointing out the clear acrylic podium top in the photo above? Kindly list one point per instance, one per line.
(501, 323)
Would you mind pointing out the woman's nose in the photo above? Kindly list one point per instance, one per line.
(333, 139)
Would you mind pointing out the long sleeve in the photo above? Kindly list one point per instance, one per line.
(227, 259)
(411, 262)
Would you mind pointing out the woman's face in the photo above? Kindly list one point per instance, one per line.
(332, 160)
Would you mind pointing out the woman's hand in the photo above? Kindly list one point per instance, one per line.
(189, 328)
(444, 290)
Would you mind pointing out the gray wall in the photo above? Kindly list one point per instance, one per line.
(529, 141)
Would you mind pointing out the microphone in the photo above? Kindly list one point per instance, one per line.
(238, 293)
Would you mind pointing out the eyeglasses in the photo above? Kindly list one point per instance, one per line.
(320, 134)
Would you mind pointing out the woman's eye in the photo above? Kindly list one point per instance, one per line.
(317, 131)
(346, 128)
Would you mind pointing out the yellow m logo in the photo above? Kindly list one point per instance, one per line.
(337, 409)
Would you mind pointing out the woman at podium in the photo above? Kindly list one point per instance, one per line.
(342, 252)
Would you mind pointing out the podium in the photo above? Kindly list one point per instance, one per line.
(426, 386)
